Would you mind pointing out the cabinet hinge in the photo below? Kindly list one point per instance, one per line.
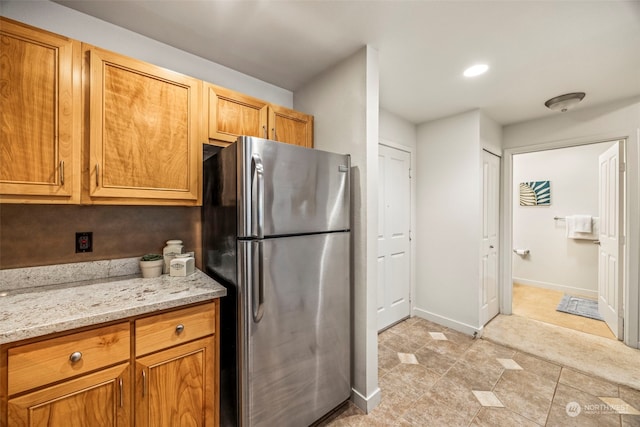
(623, 167)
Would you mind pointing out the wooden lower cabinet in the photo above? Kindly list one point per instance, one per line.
(175, 387)
(86, 378)
(99, 399)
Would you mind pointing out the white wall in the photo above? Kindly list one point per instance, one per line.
(344, 102)
(448, 227)
(70, 23)
(620, 119)
(397, 130)
(555, 262)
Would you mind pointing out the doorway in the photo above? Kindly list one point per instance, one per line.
(394, 242)
(551, 264)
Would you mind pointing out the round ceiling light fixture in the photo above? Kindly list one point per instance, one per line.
(476, 70)
(564, 102)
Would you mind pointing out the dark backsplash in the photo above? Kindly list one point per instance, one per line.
(34, 235)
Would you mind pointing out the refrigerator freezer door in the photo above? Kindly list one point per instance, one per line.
(284, 189)
(297, 354)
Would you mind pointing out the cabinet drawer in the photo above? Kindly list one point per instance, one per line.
(175, 327)
(44, 362)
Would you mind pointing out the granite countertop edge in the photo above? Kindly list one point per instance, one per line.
(46, 310)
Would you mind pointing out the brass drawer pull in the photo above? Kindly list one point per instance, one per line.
(179, 329)
(75, 357)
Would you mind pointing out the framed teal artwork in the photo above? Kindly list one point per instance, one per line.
(535, 193)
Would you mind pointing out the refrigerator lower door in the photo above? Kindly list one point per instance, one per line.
(296, 329)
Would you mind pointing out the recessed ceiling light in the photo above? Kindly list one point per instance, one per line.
(476, 70)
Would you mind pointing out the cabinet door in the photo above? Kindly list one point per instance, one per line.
(40, 115)
(231, 114)
(175, 387)
(145, 132)
(99, 399)
(290, 126)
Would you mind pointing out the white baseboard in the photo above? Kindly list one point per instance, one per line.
(366, 404)
(449, 323)
(556, 287)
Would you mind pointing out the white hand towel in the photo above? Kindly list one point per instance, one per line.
(575, 221)
(582, 223)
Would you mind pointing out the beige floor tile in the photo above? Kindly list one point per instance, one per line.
(510, 364)
(566, 394)
(412, 381)
(530, 382)
(620, 406)
(498, 417)
(522, 400)
(432, 412)
(458, 396)
(589, 384)
(400, 343)
(487, 398)
(387, 358)
(439, 363)
(438, 336)
(475, 376)
(408, 358)
(630, 420)
(558, 417)
(630, 396)
(538, 366)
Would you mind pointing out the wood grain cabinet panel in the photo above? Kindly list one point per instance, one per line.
(99, 399)
(40, 115)
(175, 387)
(290, 126)
(40, 363)
(145, 132)
(231, 114)
(175, 327)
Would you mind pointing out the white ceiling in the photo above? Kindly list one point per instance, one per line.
(535, 49)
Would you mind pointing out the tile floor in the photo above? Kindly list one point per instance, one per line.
(433, 376)
(540, 304)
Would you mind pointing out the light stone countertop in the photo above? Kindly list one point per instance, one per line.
(46, 304)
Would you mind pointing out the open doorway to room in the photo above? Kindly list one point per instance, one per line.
(558, 276)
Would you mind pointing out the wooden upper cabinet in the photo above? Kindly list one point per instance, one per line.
(40, 115)
(290, 126)
(145, 132)
(230, 114)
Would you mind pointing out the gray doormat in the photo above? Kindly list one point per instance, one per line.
(579, 306)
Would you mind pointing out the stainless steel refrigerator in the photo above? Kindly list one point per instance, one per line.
(276, 221)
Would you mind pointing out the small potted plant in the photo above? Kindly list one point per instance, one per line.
(151, 265)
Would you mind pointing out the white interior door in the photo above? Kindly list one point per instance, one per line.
(610, 254)
(489, 302)
(394, 221)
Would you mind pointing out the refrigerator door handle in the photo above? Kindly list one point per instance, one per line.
(257, 174)
(257, 281)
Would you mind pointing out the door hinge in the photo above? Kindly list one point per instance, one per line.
(410, 237)
(623, 167)
(409, 172)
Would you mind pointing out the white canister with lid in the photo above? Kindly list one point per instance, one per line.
(182, 265)
(173, 248)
